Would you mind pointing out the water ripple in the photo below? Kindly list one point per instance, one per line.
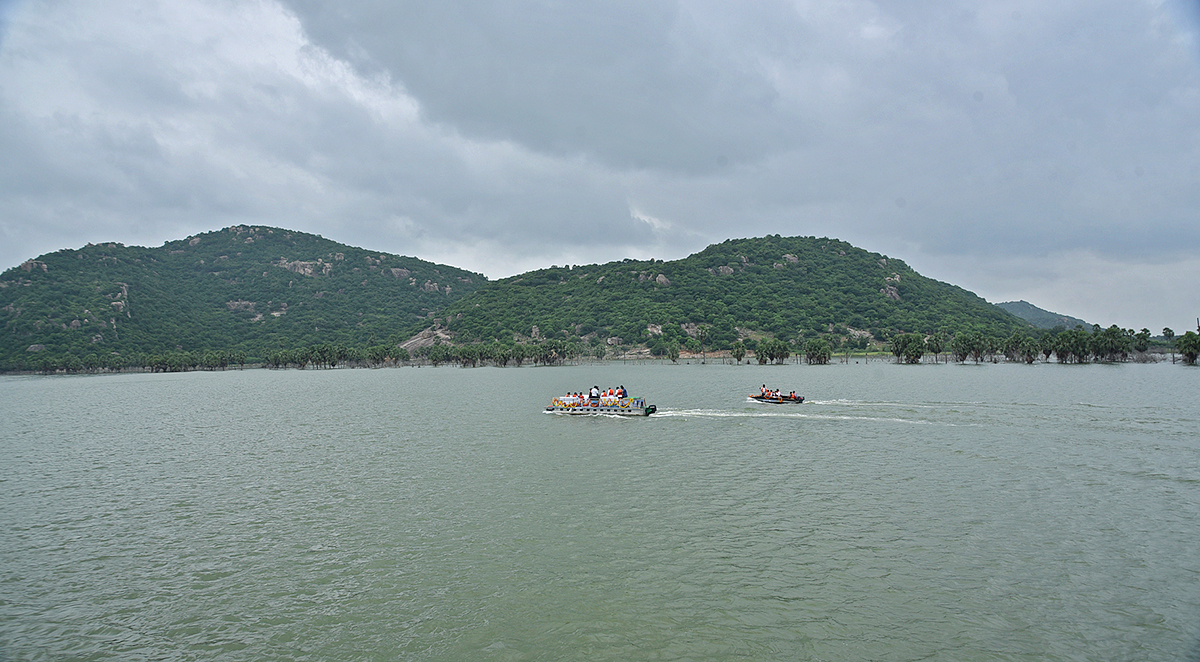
(349, 515)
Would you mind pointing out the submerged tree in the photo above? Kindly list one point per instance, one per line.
(937, 343)
(739, 351)
(1189, 347)
(1141, 341)
(908, 346)
(672, 351)
(968, 344)
(772, 351)
(817, 351)
(1028, 349)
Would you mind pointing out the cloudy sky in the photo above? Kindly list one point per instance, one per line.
(1043, 150)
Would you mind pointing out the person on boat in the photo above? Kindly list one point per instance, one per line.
(792, 395)
(594, 394)
(763, 390)
(621, 391)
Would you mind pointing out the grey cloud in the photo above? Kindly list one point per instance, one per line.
(981, 114)
(631, 84)
(505, 136)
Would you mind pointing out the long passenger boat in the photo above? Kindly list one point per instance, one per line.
(605, 405)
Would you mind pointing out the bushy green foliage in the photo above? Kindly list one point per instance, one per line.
(738, 351)
(1078, 345)
(243, 289)
(1189, 346)
(908, 347)
(817, 351)
(772, 351)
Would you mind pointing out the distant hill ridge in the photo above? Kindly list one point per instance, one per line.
(257, 289)
(1042, 319)
(787, 288)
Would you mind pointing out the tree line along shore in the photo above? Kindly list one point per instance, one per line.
(1068, 346)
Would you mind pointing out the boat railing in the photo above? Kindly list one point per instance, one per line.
(603, 401)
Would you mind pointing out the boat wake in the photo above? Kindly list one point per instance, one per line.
(789, 414)
(883, 403)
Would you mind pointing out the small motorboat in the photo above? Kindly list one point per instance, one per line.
(777, 398)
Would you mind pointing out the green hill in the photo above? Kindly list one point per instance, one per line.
(1042, 319)
(782, 287)
(248, 289)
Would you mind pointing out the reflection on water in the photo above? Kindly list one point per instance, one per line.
(902, 512)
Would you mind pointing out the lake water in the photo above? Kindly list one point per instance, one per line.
(933, 512)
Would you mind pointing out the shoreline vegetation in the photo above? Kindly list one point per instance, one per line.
(1076, 346)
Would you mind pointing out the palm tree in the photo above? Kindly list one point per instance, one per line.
(1189, 346)
(739, 351)
(701, 334)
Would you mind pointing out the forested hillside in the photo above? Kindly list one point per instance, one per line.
(786, 288)
(241, 289)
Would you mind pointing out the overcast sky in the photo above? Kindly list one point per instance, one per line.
(1041, 150)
